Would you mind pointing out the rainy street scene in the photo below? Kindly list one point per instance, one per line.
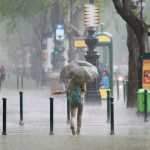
(75, 75)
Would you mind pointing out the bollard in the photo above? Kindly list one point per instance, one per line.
(17, 83)
(27, 75)
(0, 84)
(124, 89)
(118, 90)
(22, 82)
(41, 83)
(108, 107)
(8, 76)
(51, 116)
(112, 116)
(4, 116)
(37, 83)
(68, 108)
(145, 101)
(21, 123)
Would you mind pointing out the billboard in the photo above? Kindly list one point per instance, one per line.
(146, 74)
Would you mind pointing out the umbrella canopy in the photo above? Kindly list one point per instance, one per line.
(81, 71)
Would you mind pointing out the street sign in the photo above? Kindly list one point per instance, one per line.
(59, 32)
(91, 15)
(79, 42)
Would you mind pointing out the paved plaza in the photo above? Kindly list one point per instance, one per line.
(131, 132)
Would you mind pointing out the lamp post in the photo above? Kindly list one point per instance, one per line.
(45, 52)
(46, 35)
(142, 4)
(92, 93)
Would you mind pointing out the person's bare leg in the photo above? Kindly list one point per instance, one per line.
(79, 118)
(73, 115)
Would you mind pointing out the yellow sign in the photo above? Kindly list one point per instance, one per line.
(79, 43)
(91, 15)
(104, 38)
(146, 74)
(103, 93)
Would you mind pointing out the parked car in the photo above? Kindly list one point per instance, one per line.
(122, 73)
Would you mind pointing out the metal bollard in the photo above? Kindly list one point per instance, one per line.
(8, 76)
(0, 84)
(118, 90)
(22, 82)
(145, 101)
(124, 89)
(68, 109)
(27, 75)
(17, 83)
(21, 123)
(4, 116)
(112, 116)
(108, 106)
(51, 116)
(41, 83)
(37, 83)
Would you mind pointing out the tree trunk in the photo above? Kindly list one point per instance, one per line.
(71, 50)
(137, 36)
(133, 49)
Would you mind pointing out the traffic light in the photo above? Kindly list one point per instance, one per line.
(56, 52)
(123, 38)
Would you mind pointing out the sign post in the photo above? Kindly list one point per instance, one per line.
(58, 57)
(59, 32)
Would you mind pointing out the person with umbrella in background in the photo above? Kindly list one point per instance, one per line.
(80, 72)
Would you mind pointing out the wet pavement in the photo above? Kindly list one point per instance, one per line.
(128, 126)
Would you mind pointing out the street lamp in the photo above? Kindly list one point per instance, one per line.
(92, 56)
(142, 4)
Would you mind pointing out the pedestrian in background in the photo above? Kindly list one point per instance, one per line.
(104, 84)
(63, 80)
(2, 70)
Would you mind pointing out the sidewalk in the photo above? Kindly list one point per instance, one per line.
(131, 132)
(69, 142)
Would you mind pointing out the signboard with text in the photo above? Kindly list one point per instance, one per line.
(91, 15)
(59, 32)
(146, 74)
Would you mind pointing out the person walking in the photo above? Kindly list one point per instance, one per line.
(75, 103)
(63, 80)
(2, 70)
(80, 72)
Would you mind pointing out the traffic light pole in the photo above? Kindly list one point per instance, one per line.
(58, 57)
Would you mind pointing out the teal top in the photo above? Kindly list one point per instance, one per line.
(105, 80)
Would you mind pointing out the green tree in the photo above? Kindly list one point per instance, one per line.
(137, 41)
